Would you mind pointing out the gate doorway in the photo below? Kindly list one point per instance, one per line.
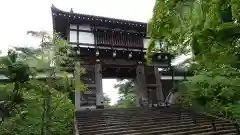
(111, 48)
(110, 92)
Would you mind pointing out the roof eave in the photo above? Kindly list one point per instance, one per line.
(56, 12)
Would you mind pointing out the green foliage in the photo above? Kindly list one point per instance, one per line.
(6, 92)
(26, 118)
(216, 91)
(107, 101)
(37, 107)
(127, 94)
(209, 29)
(178, 22)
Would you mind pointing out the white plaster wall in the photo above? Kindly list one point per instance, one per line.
(84, 27)
(157, 43)
(86, 37)
(146, 42)
(73, 36)
(73, 26)
(170, 77)
(80, 27)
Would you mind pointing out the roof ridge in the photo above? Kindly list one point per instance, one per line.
(55, 9)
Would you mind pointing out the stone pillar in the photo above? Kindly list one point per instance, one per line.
(99, 89)
(141, 84)
(160, 96)
(77, 90)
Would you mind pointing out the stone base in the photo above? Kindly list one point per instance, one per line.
(100, 107)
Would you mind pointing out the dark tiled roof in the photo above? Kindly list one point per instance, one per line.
(58, 12)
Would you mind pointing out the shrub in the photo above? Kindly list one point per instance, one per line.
(26, 117)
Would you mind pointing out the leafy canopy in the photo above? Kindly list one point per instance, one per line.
(209, 29)
(193, 25)
(42, 109)
(127, 94)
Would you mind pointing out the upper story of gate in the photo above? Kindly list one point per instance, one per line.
(103, 36)
(95, 30)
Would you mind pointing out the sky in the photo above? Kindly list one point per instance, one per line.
(17, 17)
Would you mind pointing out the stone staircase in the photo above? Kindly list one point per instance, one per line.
(150, 121)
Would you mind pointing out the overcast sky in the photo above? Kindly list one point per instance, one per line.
(19, 16)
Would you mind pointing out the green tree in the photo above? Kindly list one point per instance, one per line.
(17, 71)
(107, 101)
(52, 112)
(26, 118)
(208, 29)
(127, 94)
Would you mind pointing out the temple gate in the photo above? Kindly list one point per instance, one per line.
(111, 48)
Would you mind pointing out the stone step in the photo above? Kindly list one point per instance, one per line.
(141, 126)
(143, 121)
(166, 108)
(132, 116)
(138, 119)
(224, 131)
(102, 114)
(168, 129)
(135, 116)
(173, 130)
(135, 123)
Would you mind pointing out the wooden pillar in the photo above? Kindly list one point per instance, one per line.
(77, 100)
(77, 90)
(99, 89)
(160, 96)
(141, 84)
(138, 94)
